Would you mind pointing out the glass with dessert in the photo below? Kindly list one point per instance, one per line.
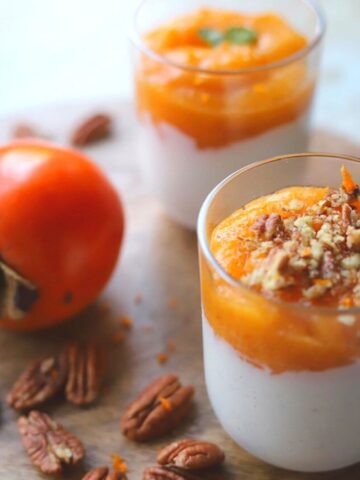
(219, 87)
(280, 280)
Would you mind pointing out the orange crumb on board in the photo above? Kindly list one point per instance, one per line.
(173, 303)
(126, 322)
(348, 183)
(162, 358)
(171, 346)
(118, 337)
(118, 463)
(165, 403)
(138, 298)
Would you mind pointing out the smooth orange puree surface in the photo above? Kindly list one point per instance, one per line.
(300, 245)
(214, 109)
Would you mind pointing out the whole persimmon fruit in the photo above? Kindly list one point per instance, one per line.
(61, 228)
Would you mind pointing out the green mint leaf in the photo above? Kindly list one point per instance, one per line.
(211, 36)
(240, 35)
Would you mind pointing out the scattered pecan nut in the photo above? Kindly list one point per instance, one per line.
(48, 444)
(42, 380)
(103, 473)
(191, 454)
(94, 128)
(157, 410)
(166, 473)
(85, 369)
(25, 130)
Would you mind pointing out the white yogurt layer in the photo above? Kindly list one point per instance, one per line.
(181, 175)
(307, 421)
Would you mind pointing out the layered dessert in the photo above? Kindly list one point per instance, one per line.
(282, 326)
(216, 90)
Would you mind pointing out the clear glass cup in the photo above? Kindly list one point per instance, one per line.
(199, 125)
(304, 416)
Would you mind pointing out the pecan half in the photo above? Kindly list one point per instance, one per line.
(157, 410)
(346, 215)
(42, 380)
(48, 444)
(94, 128)
(85, 368)
(191, 454)
(103, 473)
(166, 473)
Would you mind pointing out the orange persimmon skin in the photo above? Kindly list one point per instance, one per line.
(61, 227)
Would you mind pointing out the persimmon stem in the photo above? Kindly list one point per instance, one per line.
(17, 294)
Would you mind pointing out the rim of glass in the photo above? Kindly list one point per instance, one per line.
(202, 233)
(136, 39)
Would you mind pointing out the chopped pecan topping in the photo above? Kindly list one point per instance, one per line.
(147, 418)
(95, 128)
(353, 239)
(312, 250)
(48, 444)
(191, 455)
(166, 473)
(85, 373)
(42, 380)
(103, 473)
(346, 215)
(268, 226)
(328, 265)
(259, 225)
(273, 227)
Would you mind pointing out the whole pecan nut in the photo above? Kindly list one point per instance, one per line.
(26, 130)
(166, 473)
(85, 368)
(39, 382)
(48, 444)
(157, 410)
(94, 128)
(103, 473)
(191, 454)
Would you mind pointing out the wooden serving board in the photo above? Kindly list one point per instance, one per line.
(158, 261)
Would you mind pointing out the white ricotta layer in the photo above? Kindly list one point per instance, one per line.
(307, 421)
(181, 175)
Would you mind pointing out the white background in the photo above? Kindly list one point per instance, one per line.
(56, 51)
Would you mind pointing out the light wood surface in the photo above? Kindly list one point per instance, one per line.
(159, 261)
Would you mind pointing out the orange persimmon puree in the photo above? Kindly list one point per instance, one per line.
(289, 253)
(217, 109)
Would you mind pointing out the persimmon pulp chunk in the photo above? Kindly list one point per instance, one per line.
(300, 245)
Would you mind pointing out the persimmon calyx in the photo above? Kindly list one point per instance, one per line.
(17, 294)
